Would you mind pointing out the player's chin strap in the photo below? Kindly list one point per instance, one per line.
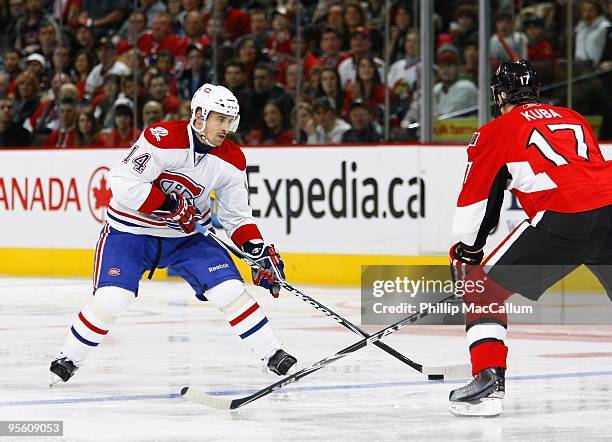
(201, 131)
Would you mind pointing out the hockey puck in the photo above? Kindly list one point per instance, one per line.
(184, 391)
(435, 377)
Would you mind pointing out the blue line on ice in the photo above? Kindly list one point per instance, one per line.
(294, 390)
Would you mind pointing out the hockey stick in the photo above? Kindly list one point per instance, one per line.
(231, 404)
(460, 371)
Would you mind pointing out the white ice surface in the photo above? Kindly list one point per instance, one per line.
(559, 384)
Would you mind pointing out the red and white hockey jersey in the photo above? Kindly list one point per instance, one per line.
(547, 156)
(164, 160)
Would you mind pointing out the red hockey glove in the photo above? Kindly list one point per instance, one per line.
(271, 273)
(178, 213)
(462, 260)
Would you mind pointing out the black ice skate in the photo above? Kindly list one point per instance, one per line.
(481, 397)
(63, 368)
(281, 362)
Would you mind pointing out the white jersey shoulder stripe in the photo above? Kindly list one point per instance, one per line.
(526, 181)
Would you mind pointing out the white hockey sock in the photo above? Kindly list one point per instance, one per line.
(485, 331)
(94, 321)
(245, 316)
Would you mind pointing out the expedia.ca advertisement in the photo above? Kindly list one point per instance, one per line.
(334, 200)
(386, 200)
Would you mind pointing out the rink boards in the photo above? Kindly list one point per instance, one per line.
(328, 209)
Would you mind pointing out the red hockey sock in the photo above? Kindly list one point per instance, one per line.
(488, 355)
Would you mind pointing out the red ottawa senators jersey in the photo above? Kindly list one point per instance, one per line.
(547, 156)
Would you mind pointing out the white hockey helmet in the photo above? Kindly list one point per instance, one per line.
(214, 98)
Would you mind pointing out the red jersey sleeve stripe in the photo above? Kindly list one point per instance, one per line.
(154, 201)
(246, 233)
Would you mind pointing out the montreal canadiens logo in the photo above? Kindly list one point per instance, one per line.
(178, 183)
(99, 194)
(114, 271)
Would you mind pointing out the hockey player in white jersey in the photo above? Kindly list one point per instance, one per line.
(161, 188)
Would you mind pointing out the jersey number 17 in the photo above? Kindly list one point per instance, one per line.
(537, 139)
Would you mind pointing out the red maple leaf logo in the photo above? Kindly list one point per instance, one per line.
(102, 194)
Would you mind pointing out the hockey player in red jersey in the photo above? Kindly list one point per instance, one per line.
(161, 188)
(549, 158)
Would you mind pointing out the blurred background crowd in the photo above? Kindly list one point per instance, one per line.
(95, 73)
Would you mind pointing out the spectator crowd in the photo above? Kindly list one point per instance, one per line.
(97, 73)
